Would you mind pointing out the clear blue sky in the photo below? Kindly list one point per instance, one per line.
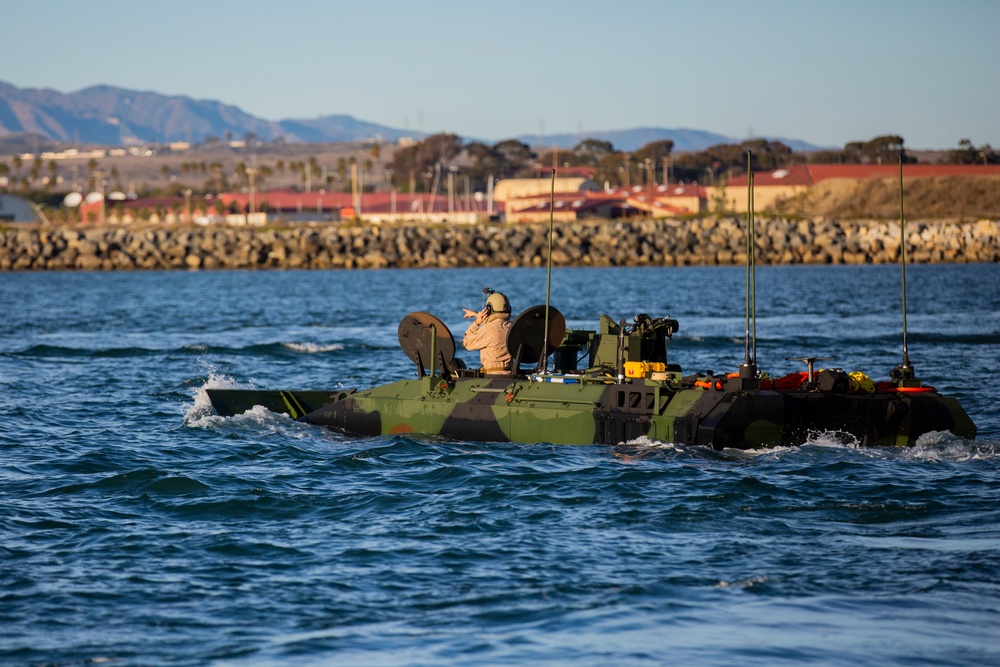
(827, 72)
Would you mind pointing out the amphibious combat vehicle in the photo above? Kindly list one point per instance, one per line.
(629, 387)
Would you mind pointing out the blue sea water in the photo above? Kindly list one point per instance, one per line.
(138, 528)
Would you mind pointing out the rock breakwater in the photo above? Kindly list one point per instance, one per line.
(599, 243)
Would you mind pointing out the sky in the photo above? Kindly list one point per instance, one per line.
(826, 72)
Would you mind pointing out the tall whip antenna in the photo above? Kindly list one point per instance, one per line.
(753, 271)
(746, 291)
(548, 276)
(907, 369)
(749, 368)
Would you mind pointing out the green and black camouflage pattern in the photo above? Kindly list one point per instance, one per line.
(602, 405)
(529, 411)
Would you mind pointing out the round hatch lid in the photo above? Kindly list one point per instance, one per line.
(415, 339)
(527, 332)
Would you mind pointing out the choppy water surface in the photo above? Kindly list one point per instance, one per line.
(137, 528)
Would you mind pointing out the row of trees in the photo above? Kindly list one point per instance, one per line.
(45, 174)
(967, 153)
(28, 176)
(416, 168)
(14, 172)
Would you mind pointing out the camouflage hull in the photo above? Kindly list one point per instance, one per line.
(569, 410)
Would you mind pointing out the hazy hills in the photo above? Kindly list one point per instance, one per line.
(105, 115)
(114, 116)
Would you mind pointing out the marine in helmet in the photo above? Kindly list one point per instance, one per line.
(488, 333)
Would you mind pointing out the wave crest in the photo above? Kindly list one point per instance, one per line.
(202, 408)
(313, 348)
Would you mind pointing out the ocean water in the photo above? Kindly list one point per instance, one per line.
(138, 528)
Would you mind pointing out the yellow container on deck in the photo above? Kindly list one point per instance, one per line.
(643, 369)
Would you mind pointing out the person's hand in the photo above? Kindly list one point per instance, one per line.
(480, 316)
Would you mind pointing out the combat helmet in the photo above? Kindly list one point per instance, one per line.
(497, 303)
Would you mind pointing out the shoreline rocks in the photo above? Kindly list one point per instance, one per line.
(670, 242)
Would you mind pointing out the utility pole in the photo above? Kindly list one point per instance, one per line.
(354, 186)
(489, 196)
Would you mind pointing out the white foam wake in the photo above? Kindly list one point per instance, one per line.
(202, 408)
(313, 348)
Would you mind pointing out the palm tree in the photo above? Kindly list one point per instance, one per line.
(53, 174)
(36, 169)
(264, 172)
(92, 178)
(241, 173)
(17, 167)
(314, 170)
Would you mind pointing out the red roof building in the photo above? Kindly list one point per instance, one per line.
(566, 207)
(373, 206)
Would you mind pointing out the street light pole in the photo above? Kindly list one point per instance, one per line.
(451, 189)
(251, 171)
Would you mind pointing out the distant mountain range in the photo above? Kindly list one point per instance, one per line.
(108, 116)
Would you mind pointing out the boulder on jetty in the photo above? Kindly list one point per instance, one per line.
(669, 242)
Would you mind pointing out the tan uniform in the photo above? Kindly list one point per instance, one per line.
(490, 338)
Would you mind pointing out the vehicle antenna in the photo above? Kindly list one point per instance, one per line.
(753, 271)
(746, 287)
(548, 277)
(749, 368)
(906, 370)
